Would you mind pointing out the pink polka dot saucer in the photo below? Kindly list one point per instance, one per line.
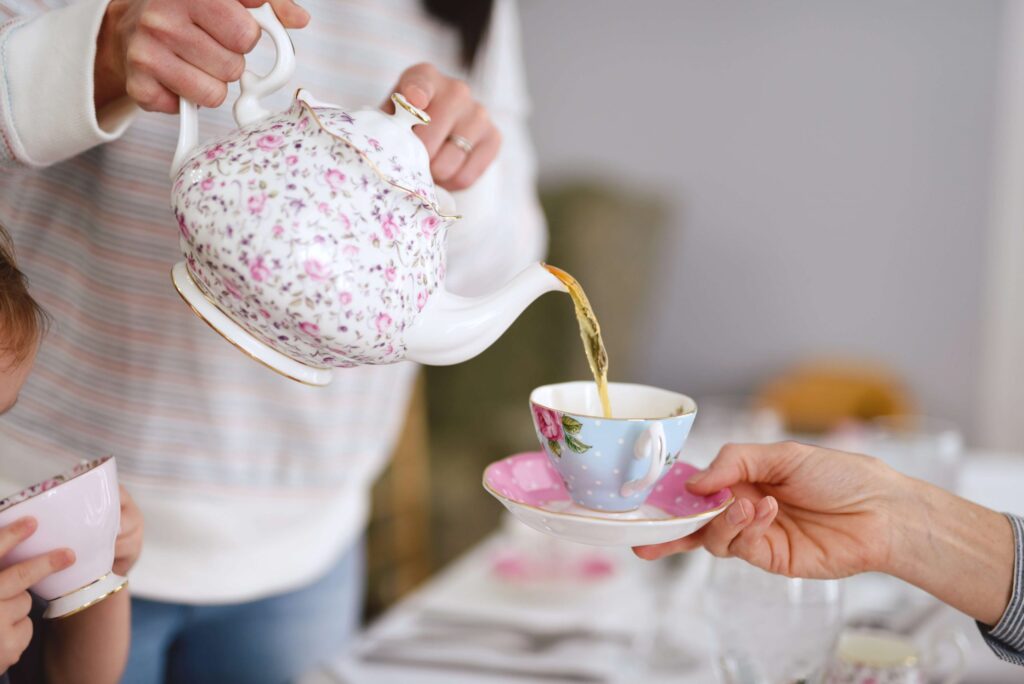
(533, 491)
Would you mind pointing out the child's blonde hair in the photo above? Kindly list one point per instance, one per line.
(22, 321)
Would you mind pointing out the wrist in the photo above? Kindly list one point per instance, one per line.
(956, 550)
(909, 501)
(109, 76)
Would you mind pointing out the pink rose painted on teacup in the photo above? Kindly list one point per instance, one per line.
(345, 298)
(421, 300)
(549, 423)
(214, 151)
(316, 270)
(390, 273)
(207, 184)
(270, 142)
(311, 329)
(383, 323)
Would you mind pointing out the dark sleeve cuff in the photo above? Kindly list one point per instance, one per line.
(1006, 639)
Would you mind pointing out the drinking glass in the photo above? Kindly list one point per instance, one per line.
(729, 418)
(769, 629)
(927, 448)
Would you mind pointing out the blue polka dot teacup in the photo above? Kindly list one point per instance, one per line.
(611, 464)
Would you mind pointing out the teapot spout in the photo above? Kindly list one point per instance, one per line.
(452, 329)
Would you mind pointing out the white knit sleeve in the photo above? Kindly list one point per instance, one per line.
(47, 112)
(503, 229)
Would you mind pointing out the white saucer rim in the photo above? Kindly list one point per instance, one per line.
(650, 522)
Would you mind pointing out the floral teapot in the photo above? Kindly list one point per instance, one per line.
(314, 238)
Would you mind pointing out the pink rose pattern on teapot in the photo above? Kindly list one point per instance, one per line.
(299, 232)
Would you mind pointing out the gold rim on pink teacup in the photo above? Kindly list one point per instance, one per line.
(51, 482)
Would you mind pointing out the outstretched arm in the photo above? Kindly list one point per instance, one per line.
(805, 511)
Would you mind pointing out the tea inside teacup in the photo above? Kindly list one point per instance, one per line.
(611, 464)
(629, 401)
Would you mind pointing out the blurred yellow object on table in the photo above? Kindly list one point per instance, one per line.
(820, 396)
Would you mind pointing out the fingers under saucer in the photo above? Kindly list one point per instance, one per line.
(721, 531)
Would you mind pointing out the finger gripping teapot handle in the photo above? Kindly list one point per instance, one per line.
(650, 444)
(247, 108)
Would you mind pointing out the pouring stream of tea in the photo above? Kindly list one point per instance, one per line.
(590, 331)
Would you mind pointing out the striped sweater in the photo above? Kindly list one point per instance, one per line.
(1006, 639)
(250, 484)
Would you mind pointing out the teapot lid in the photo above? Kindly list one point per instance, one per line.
(386, 141)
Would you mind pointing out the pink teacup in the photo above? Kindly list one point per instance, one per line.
(79, 510)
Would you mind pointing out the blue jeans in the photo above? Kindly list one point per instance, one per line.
(273, 640)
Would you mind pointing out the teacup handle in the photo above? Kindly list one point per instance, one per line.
(253, 87)
(650, 444)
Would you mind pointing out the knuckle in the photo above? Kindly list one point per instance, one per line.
(423, 68)
(23, 636)
(460, 182)
(213, 95)
(460, 89)
(23, 573)
(791, 447)
(728, 450)
(235, 67)
(141, 93)
(23, 604)
(137, 55)
(151, 21)
(166, 104)
(480, 114)
(244, 36)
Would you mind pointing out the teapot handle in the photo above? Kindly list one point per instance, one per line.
(247, 108)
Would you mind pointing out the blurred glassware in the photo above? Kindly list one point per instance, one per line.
(927, 448)
(729, 418)
(876, 657)
(769, 629)
(669, 644)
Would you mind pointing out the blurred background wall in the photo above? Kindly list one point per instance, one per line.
(827, 168)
